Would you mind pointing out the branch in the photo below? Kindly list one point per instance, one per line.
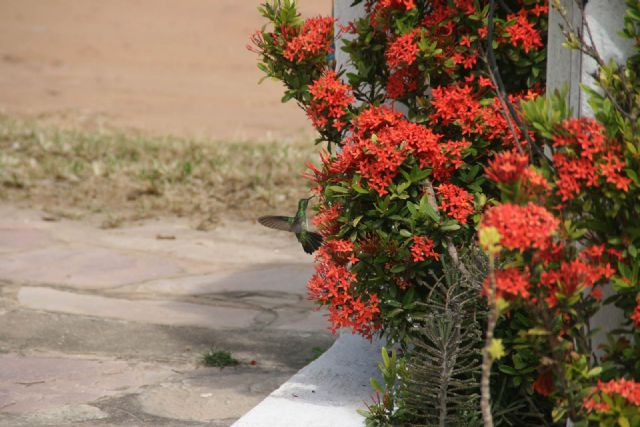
(494, 73)
(487, 359)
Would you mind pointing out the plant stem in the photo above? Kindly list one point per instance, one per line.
(487, 360)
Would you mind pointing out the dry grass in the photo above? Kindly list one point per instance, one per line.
(115, 177)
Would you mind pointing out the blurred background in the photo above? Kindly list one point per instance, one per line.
(120, 110)
(163, 66)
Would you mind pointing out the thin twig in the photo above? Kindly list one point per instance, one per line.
(494, 72)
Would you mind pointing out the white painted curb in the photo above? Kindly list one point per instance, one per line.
(325, 393)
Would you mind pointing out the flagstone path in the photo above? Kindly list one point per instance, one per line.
(107, 327)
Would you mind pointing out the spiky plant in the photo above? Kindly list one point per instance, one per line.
(444, 359)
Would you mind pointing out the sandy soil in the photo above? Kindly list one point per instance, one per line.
(162, 66)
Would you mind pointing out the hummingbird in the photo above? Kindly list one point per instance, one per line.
(297, 224)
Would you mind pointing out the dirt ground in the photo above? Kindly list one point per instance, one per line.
(162, 66)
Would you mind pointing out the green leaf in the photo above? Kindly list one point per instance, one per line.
(385, 356)
(507, 370)
(338, 189)
(537, 332)
(594, 372)
(399, 268)
(359, 189)
(623, 421)
(450, 226)
(405, 233)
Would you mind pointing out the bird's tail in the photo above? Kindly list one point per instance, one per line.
(312, 243)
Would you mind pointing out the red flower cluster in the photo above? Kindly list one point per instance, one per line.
(522, 227)
(456, 202)
(507, 167)
(330, 99)
(326, 220)
(628, 389)
(459, 105)
(397, 4)
(403, 50)
(332, 285)
(534, 184)
(422, 249)
(510, 283)
(456, 104)
(383, 140)
(315, 39)
(584, 156)
(523, 32)
(573, 277)
(402, 82)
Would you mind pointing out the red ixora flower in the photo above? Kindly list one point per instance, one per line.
(523, 32)
(397, 4)
(584, 156)
(315, 39)
(331, 285)
(330, 99)
(327, 219)
(573, 276)
(456, 202)
(627, 389)
(402, 82)
(403, 50)
(510, 283)
(422, 249)
(522, 227)
(382, 140)
(507, 167)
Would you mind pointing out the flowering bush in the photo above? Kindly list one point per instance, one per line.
(402, 189)
(580, 245)
(401, 192)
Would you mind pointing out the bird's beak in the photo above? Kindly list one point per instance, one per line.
(309, 198)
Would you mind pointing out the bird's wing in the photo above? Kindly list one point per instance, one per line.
(276, 221)
(310, 241)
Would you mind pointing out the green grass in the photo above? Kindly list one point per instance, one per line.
(218, 359)
(122, 176)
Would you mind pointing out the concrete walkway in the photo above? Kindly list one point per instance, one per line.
(107, 327)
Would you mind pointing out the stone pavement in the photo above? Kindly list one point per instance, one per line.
(107, 327)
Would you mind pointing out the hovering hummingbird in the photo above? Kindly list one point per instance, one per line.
(298, 224)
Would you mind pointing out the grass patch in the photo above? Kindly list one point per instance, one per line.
(118, 176)
(317, 352)
(219, 359)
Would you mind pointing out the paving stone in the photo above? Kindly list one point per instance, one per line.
(30, 384)
(230, 244)
(110, 325)
(271, 278)
(306, 319)
(59, 416)
(147, 311)
(23, 238)
(209, 394)
(84, 267)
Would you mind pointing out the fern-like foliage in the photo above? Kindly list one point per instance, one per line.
(443, 384)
